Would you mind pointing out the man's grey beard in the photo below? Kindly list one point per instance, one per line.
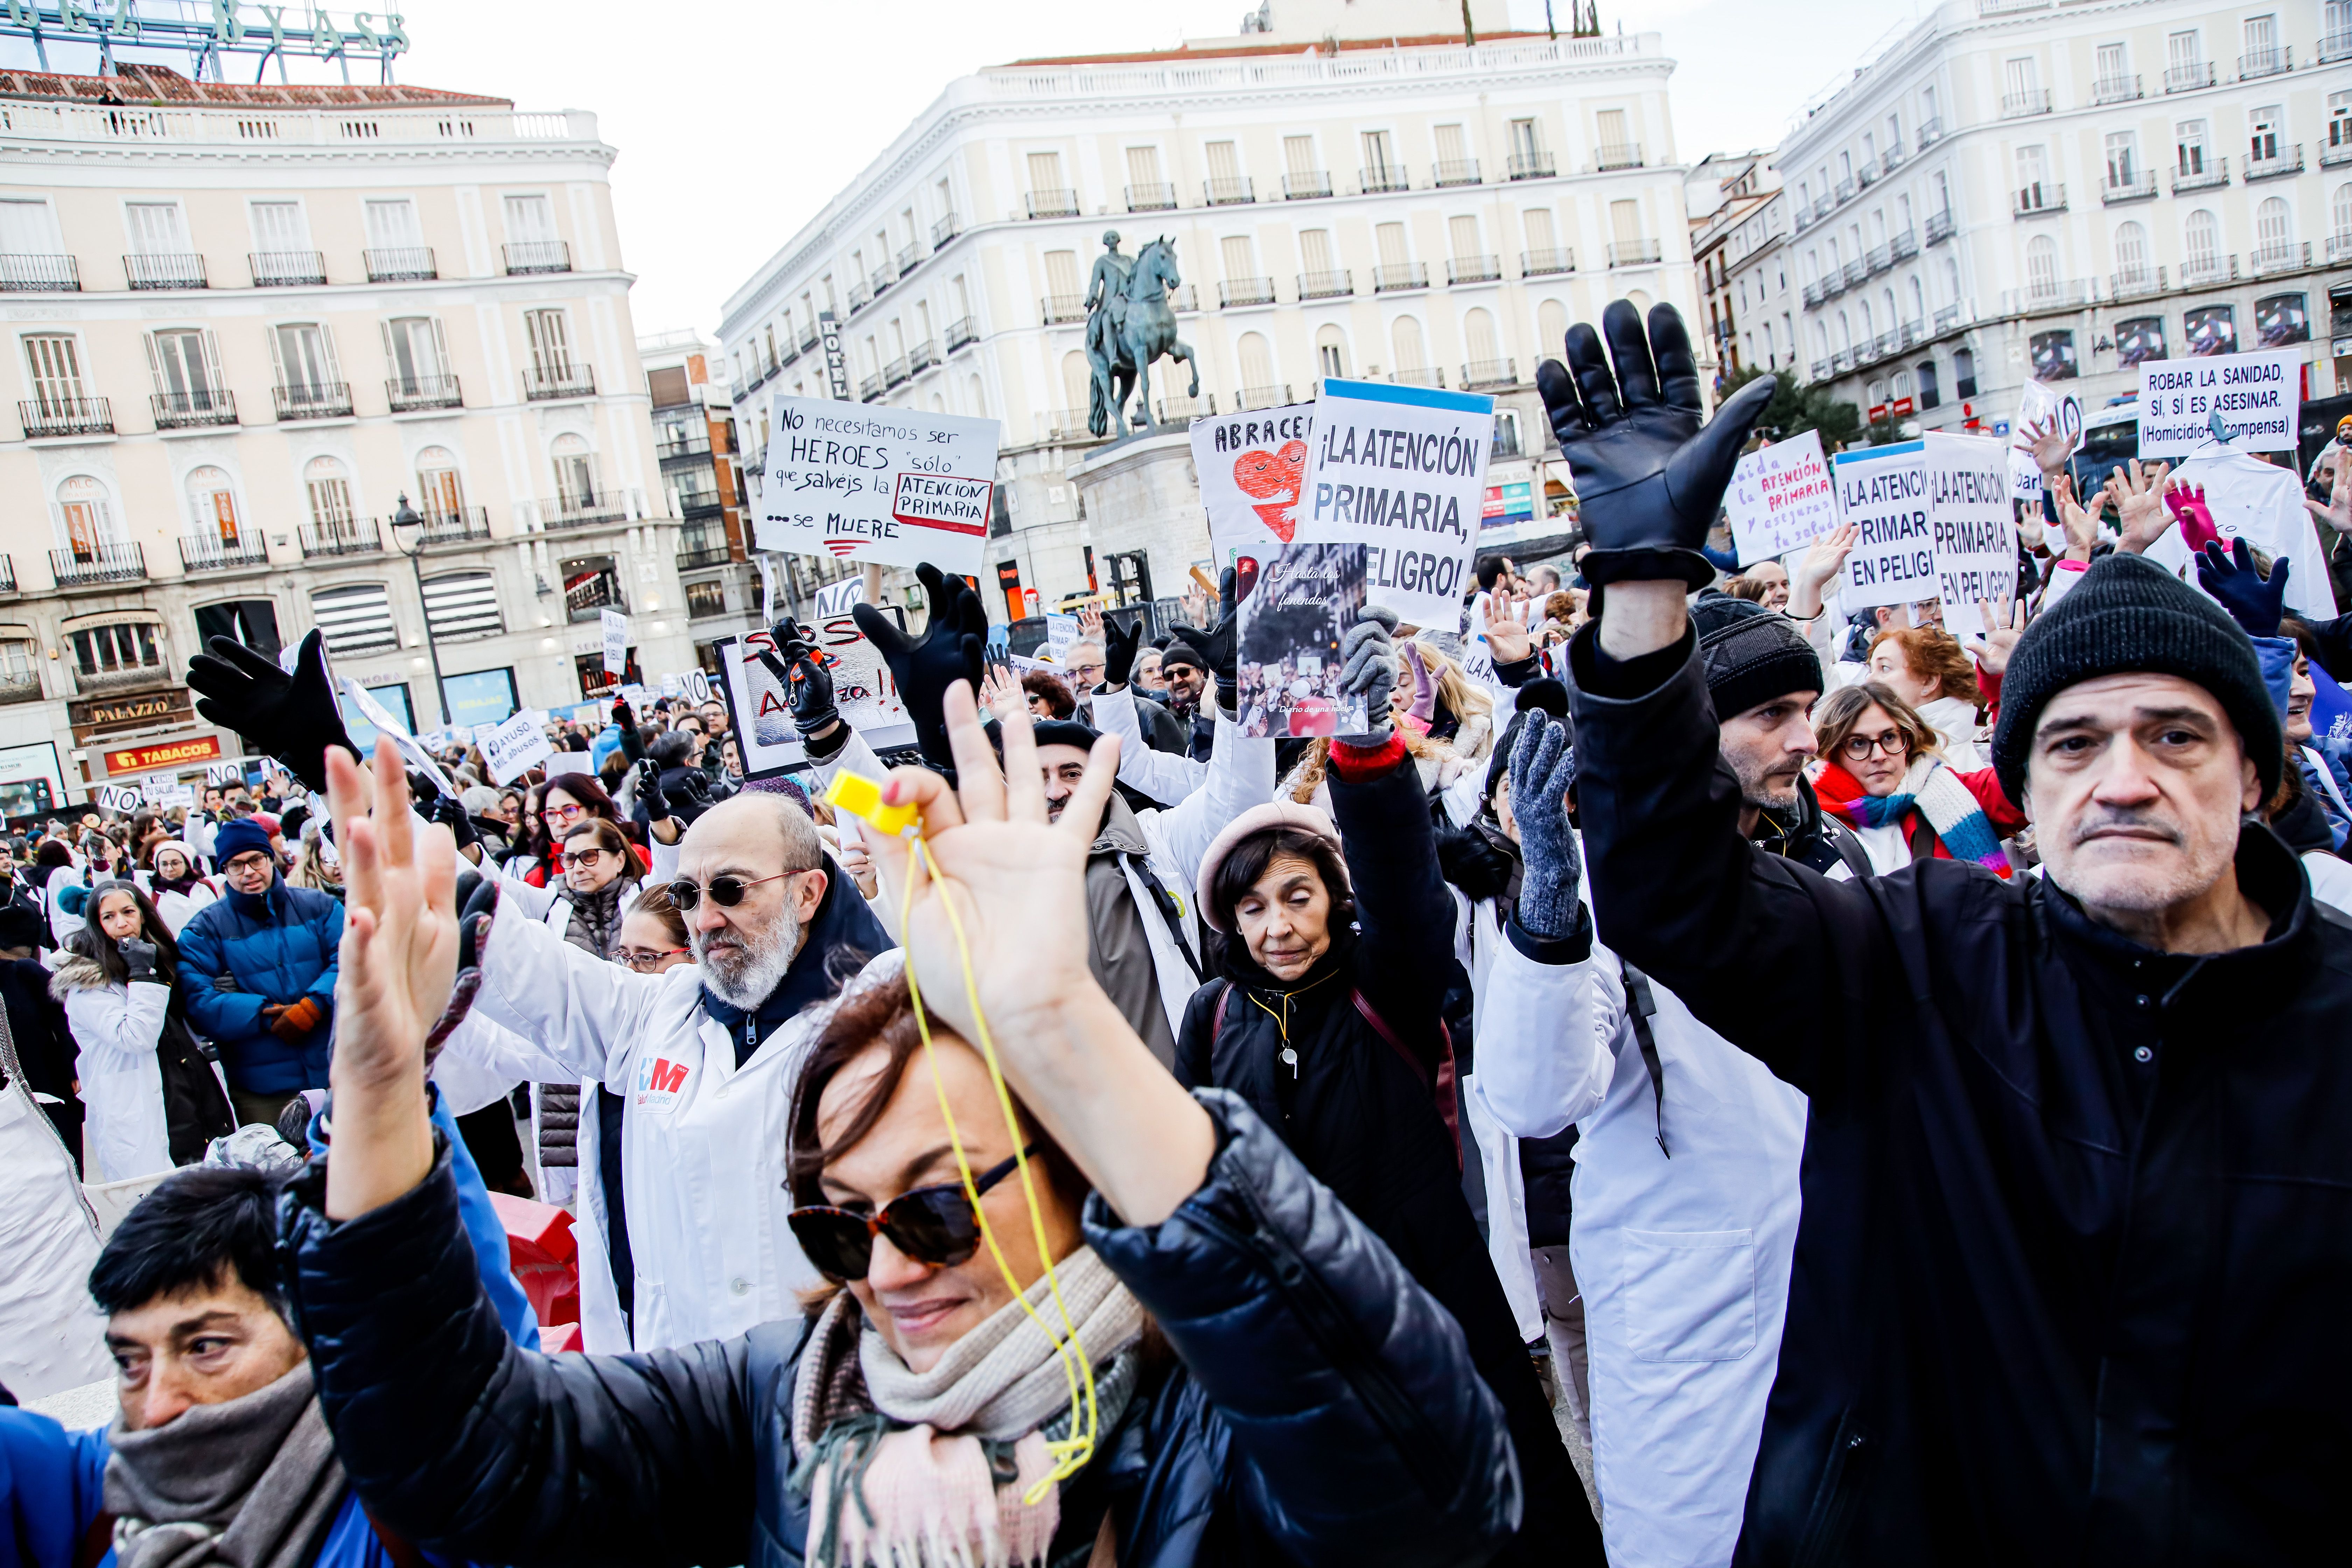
(748, 975)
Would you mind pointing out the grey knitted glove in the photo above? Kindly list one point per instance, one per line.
(1368, 668)
(1543, 765)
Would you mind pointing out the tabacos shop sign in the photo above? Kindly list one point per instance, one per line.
(169, 755)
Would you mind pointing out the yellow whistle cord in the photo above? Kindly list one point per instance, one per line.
(1069, 1454)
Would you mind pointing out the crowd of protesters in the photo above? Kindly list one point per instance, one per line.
(1700, 1075)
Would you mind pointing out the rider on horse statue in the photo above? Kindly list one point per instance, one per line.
(1130, 323)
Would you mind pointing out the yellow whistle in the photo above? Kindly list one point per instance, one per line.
(862, 797)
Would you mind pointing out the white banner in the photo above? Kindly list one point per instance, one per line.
(514, 746)
(2258, 398)
(1883, 491)
(1782, 499)
(868, 483)
(616, 642)
(1252, 470)
(1402, 469)
(1973, 527)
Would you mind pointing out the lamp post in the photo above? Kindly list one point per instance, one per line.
(408, 537)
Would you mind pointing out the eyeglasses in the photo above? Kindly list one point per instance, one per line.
(252, 861)
(725, 891)
(645, 958)
(582, 857)
(931, 1225)
(563, 813)
(1859, 747)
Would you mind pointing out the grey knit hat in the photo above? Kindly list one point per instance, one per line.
(2129, 614)
(1750, 654)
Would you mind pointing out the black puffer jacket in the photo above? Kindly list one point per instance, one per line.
(1323, 1410)
(1364, 1121)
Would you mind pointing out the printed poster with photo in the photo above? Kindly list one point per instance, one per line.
(1252, 468)
(1291, 628)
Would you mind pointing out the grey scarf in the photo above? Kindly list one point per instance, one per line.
(249, 1483)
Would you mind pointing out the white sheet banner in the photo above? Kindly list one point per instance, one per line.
(1780, 499)
(2258, 398)
(868, 484)
(1402, 469)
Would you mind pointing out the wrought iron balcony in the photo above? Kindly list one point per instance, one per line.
(1236, 291)
(1451, 172)
(1854, 272)
(312, 400)
(2284, 162)
(1474, 269)
(24, 274)
(2115, 89)
(544, 384)
(401, 263)
(1400, 276)
(210, 553)
(2040, 197)
(1183, 298)
(7, 575)
(923, 355)
(536, 256)
(1306, 185)
(65, 417)
(1903, 246)
(2188, 78)
(1182, 410)
(2127, 185)
(944, 230)
(1236, 191)
(2201, 176)
(1421, 375)
(1387, 177)
(1634, 253)
(286, 268)
(961, 331)
(1546, 263)
(1621, 155)
(2265, 62)
(908, 256)
(1532, 166)
(1481, 373)
(2285, 256)
(1324, 285)
(1845, 190)
(882, 280)
(1269, 396)
(1061, 310)
(2134, 281)
(188, 410)
(1061, 202)
(894, 373)
(411, 392)
(351, 536)
(1153, 198)
(584, 511)
(870, 388)
(456, 525)
(174, 271)
(84, 564)
(861, 294)
(1930, 132)
(1939, 226)
(2334, 46)
(2203, 271)
(2023, 105)
(705, 545)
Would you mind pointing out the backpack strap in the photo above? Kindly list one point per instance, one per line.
(1640, 1007)
(1849, 849)
(1170, 907)
(1443, 1090)
(1217, 1023)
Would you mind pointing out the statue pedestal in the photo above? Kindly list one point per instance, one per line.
(1140, 493)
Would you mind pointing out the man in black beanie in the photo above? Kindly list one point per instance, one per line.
(2077, 1201)
(1191, 695)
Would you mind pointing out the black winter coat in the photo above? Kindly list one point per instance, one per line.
(1323, 1410)
(1364, 1122)
(2070, 1285)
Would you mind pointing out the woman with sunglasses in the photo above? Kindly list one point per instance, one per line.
(1884, 774)
(599, 873)
(1266, 1383)
(554, 809)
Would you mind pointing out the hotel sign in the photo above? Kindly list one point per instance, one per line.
(221, 26)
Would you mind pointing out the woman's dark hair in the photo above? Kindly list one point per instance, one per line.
(883, 1013)
(201, 1227)
(609, 839)
(96, 945)
(1247, 861)
(1050, 688)
(582, 787)
(53, 852)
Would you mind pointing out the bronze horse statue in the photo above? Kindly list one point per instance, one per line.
(1121, 353)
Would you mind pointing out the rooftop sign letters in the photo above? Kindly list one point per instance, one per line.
(222, 27)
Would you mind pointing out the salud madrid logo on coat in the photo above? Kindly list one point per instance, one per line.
(661, 1083)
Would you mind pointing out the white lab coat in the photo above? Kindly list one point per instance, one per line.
(178, 909)
(1684, 1262)
(51, 1336)
(1476, 937)
(2263, 503)
(115, 1030)
(1955, 719)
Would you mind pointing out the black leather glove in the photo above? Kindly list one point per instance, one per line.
(140, 955)
(451, 813)
(1219, 646)
(806, 683)
(1649, 469)
(293, 717)
(2256, 605)
(949, 652)
(1118, 650)
(649, 791)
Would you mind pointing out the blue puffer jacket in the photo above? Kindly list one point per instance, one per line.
(278, 946)
(1320, 1408)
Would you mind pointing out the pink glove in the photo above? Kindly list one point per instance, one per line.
(1424, 687)
(2187, 504)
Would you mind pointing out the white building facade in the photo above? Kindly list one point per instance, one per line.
(2021, 189)
(1352, 191)
(283, 357)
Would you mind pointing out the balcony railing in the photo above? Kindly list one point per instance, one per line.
(65, 417)
(702, 547)
(1532, 166)
(1913, 333)
(1904, 246)
(2265, 62)
(584, 511)
(961, 331)
(352, 536)
(870, 388)
(1845, 191)
(313, 400)
(1946, 318)
(410, 393)
(1454, 172)
(2339, 249)
(1325, 285)
(1060, 309)
(458, 525)
(894, 373)
(1399, 275)
(188, 410)
(401, 263)
(1930, 132)
(1388, 177)
(910, 254)
(1056, 202)
(1153, 198)
(536, 256)
(1474, 269)
(1481, 373)
(2188, 78)
(1422, 376)
(180, 271)
(2284, 162)
(2287, 257)
(1181, 410)
(1866, 175)
(2019, 105)
(2133, 282)
(1546, 263)
(1270, 397)
(89, 564)
(286, 268)
(1183, 298)
(944, 230)
(211, 552)
(2334, 46)
(1855, 271)
(1634, 253)
(1235, 292)
(2335, 154)
(2115, 89)
(1821, 370)
(922, 356)
(1621, 155)
(2040, 197)
(1892, 158)
(1813, 295)
(695, 444)
(2204, 271)
(22, 274)
(1306, 185)
(1832, 283)
(542, 384)
(1233, 192)
(810, 336)
(7, 573)
(2200, 179)
(1071, 425)
(1877, 259)
(861, 294)
(882, 278)
(2125, 185)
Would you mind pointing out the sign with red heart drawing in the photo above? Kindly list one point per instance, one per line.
(1252, 468)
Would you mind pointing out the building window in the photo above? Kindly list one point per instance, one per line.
(85, 520)
(305, 361)
(355, 619)
(2281, 321)
(330, 491)
(462, 605)
(1925, 372)
(417, 354)
(591, 584)
(1964, 374)
(440, 493)
(575, 474)
(482, 696)
(2262, 137)
(55, 361)
(705, 599)
(2188, 148)
(186, 365)
(550, 345)
(2203, 236)
(529, 220)
(212, 507)
(125, 647)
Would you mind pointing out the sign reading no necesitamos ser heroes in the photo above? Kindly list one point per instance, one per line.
(1402, 469)
(868, 484)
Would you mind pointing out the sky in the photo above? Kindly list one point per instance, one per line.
(735, 120)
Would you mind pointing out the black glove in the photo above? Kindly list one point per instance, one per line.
(1118, 651)
(451, 813)
(2255, 604)
(949, 652)
(649, 791)
(293, 717)
(140, 955)
(806, 683)
(1220, 646)
(1650, 470)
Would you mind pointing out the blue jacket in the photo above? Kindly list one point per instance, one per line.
(278, 946)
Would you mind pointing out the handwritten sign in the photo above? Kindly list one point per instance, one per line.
(224, 774)
(616, 641)
(1252, 470)
(760, 713)
(1782, 499)
(836, 598)
(120, 798)
(1882, 491)
(2258, 398)
(866, 483)
(1402, 469)
(514, 746)
(1061, 635)
(1972, 526)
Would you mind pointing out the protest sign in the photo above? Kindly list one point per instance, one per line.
(1061, 634)
(171, 797)
(697, 685)
(560, 763)
(760, 713)
(1402, 469)
(2038, 406)
(120, 798)
(1252, 468)
(514, 746)
(1291, 627)
(1972, 527)
(224, 773)
(1780, 499)
(835, 599)
(616, 642)
(377, 714)
(893, 485)
(671, 686)
(1882, 491)
(638, 699)
(2257, 397)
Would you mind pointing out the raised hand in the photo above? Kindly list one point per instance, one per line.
(2142, 517)
(1220, 646)
(1090, 623)
(2186, 501)
(1423, 705)
(950, 651)
(1003, 694)
(807, 685)
(294, 718)
(1367, 669)
(1994, 646)
(1824, 559)
(139, 955)
(2235, 582)
(2048, 444)
(1507, 630)
(2081, 527)
(1649, 469)
(2337, 512)
(1119, 649)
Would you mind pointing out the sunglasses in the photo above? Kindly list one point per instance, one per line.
(931, 1225)
(582, 857)
(725, 891)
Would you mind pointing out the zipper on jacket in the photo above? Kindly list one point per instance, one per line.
(1834, 1501)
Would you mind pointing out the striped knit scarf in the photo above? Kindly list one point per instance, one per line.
(1936, 792)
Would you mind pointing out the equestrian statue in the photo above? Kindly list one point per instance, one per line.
(1129, 323)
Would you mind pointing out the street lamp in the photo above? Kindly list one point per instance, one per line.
(408, 537)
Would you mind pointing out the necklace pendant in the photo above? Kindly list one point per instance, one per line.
(1291, 1060)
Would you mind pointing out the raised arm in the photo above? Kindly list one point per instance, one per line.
(1164, 776)
(1239, 774)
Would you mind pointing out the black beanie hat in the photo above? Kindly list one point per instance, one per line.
(2129, 614)
(1179, 651)
(1050, 732)
(1541, 695)
(1751, 655)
